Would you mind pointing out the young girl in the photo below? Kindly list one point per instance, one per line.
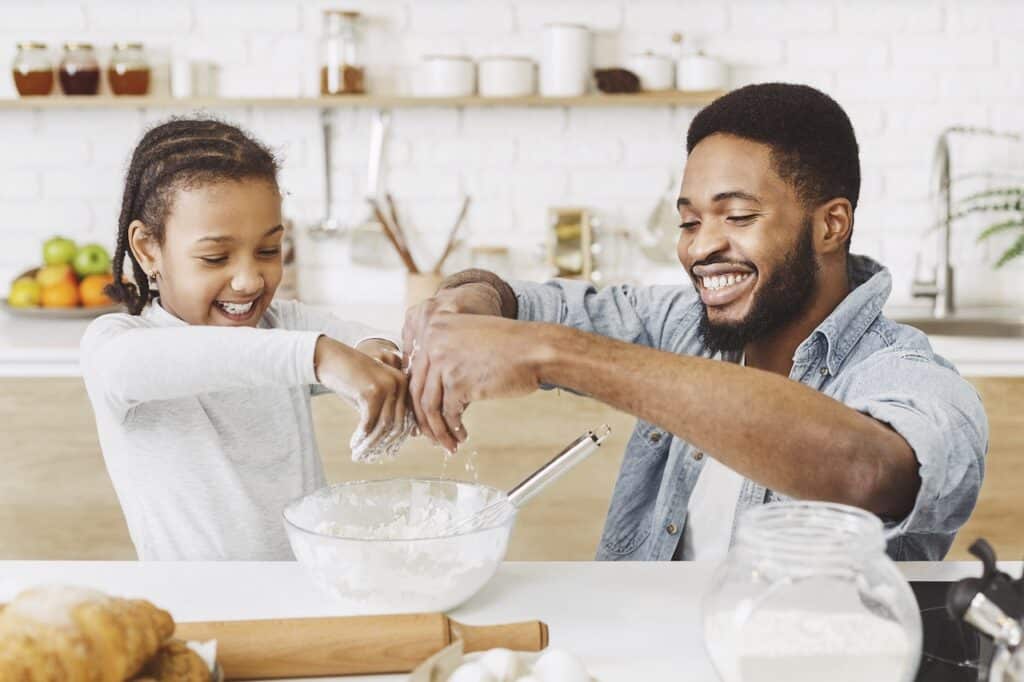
(202, 390)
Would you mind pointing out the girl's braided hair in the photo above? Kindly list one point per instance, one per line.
(178, 154)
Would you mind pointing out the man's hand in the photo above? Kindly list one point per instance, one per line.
(471, 299)
(461, 358)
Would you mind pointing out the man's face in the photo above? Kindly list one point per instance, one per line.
(746, 241)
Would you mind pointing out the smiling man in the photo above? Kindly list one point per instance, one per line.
(775, 376)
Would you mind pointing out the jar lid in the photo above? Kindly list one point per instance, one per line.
(127, 46)
(565, 24)
(71, 45)
(347, 13)
(31, 45)
(650, 53)
(506, 58)
(448, 57)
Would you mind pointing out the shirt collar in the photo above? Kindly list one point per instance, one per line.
(871, 285)
(155, 312)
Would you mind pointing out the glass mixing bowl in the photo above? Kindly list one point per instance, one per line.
(386, 546)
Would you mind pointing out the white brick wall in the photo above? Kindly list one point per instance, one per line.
(903, 69)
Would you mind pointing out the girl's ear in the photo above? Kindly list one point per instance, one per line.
(144, 247)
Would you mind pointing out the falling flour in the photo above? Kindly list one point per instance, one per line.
(799, 646)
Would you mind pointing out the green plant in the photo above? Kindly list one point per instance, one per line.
(1008, 201)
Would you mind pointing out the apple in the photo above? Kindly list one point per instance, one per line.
(92, 259)
(25, 293)
(52, 275)
(59, 251)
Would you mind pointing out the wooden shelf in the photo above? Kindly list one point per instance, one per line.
(645, 99)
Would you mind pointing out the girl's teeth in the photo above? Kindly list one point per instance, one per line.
(236, 308)
(721, 281)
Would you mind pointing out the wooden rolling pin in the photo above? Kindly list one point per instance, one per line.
(353, 645)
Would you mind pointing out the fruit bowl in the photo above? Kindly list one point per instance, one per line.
(78, 312)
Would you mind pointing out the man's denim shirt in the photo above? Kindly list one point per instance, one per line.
(857, 356)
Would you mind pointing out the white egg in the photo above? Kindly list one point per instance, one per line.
(502, 664)
(528, 678)
(557, 665)
(471, 672)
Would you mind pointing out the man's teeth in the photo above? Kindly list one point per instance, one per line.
(236, 308)
(721, 281)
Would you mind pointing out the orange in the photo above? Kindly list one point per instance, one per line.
(64, 294)
(91, 290)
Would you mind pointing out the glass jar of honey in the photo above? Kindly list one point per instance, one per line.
(129, 71)
(79, 70)
(32, 69)
(341, 71)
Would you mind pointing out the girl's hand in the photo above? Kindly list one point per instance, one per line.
(376, 387)
(381, 350)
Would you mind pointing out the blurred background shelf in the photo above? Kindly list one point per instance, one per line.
(645, 99)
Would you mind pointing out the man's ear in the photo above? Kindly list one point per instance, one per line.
(836, 219)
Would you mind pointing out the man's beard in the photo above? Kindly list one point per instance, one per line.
(783, 298)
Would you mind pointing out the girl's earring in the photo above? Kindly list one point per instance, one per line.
(152, 279)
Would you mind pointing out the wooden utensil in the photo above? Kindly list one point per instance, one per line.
(353, 645)
(406, 257)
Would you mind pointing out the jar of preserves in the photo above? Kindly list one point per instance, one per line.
(32, 69)
(807, 592)
(79, 70)
(129, 71)
(341, 71)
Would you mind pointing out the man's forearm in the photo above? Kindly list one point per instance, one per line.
(509, 306)
(768, 428)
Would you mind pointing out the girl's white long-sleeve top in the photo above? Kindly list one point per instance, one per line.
(207, 432)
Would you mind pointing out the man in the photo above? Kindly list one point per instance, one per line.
(775, 377)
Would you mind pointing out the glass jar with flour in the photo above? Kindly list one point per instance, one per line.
(807, 592)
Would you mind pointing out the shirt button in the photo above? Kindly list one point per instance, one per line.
(823, 371)
(655, 437)
(671, 529)
(698, 456)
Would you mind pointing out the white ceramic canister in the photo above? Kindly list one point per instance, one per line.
(699, 72)
(506, 76)
(447, 76)
(565, 67)
(655, 71)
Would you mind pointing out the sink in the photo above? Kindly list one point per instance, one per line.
(992, 323)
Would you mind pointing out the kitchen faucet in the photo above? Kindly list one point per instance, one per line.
(940, 287)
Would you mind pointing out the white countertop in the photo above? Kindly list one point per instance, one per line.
(42, 348)
(627, 621)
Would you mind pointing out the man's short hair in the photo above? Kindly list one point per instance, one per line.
(811, 137)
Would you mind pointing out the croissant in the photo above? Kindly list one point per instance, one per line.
(175, 662)
(68, 634)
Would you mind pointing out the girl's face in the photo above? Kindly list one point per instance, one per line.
(220, 261)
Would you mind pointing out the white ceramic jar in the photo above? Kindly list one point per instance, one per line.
(656, 72)
(700, 72)
(506, 76)
(565, 67)
(447, 76)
